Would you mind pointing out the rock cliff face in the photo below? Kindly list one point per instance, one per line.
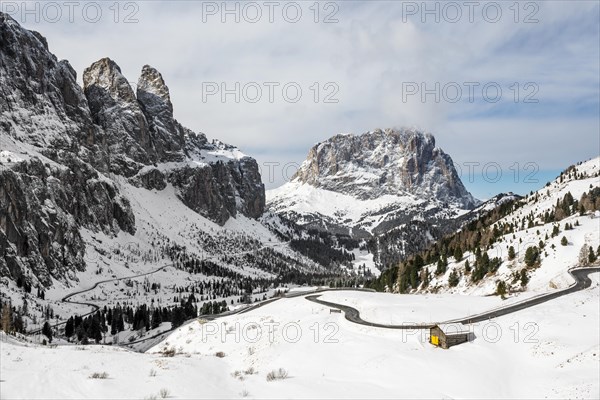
(41, 103)
(153, 96)
(390, 162)
(69, 149)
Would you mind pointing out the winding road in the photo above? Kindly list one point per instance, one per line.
(580, 275)
(582, 281)
(96, 307)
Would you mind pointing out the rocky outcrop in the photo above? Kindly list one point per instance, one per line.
(151, 179)
(168, 136)
(219, 190)
(42, 208)
(115, 108)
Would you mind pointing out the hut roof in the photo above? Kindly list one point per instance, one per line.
(453, 328)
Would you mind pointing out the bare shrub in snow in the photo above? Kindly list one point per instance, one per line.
(164, 393)
(169, 352)
(99, 375)
(271, 376)
(277, 375)
(220, 354)
(152, 372)
(282, 373)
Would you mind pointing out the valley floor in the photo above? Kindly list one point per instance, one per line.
(548, 351)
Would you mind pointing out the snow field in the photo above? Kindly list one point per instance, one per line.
(551, 350)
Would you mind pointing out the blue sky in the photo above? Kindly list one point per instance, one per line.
(370, 55)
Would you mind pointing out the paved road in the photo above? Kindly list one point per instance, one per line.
(353, 315)
(581, 276)
(582, 281)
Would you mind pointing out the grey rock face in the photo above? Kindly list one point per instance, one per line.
(168, 135)
(381, 162)
(151, 179)
(395, 188)
(219, 190)
(115, 108)
(40, 101)
(43, 207)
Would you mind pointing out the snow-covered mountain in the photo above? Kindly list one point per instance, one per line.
(102, 180)
(392, 188)
(371, 183)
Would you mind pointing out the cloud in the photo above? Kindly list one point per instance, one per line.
(370, 55)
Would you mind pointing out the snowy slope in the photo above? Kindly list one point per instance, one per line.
(556, 259)
(555, 346)
(308, 203)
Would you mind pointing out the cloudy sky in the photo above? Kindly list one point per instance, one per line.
(360, 66)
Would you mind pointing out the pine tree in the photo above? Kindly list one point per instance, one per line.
(69, 329)
(524, 277)
(441, 267)
(511, 253)
(157, 318)
(564, 241)
(531, 256)
(501, 289)
(47, 331)
(458, 254)
(453, 278)
(592, 257)
(113, 325)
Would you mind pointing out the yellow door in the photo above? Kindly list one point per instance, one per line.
(435, 340)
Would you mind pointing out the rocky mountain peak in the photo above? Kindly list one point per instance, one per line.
(152, 91)
(167, 134)
(384, 162)
(106, 75)
(115, 108)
